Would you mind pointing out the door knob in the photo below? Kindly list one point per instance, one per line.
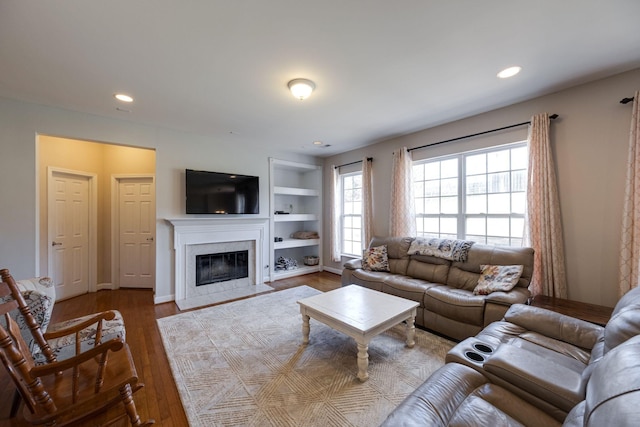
(56, 243)
(150, 239)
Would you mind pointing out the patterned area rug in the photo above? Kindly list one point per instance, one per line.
(243, 364)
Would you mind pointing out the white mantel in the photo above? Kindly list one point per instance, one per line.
(188, 232)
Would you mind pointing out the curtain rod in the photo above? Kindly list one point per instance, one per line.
(353, 163)
(552, 116)
(626, 100)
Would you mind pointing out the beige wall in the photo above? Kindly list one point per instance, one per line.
(103, 160)
(590, 142)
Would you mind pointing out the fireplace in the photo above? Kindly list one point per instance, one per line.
(221, 267)
(193, 238)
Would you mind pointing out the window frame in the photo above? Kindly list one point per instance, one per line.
(462, 215)
(344, 215)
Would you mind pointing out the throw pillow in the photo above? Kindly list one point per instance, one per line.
(375, 259)
(497, 278)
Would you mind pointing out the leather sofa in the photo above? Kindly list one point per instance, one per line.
(536, 368)
(444, 288)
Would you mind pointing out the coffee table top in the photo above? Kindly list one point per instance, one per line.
(359, 307)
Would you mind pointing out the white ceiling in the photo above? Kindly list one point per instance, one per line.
(382, 68)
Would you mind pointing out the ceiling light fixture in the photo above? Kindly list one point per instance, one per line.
(318, 142)
(301, 88)
(509, 72)
(122, 97)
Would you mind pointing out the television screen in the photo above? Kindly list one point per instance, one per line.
(221, 193)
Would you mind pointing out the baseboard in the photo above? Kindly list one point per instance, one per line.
(337, 271)
(162, 300)
(105, 286)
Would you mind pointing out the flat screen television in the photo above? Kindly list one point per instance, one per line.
(221, 193)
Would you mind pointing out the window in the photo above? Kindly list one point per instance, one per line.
(479, 195)
(351, 217)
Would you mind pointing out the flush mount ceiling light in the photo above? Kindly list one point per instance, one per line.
(301, 88)
(122, 97)
(509, 72)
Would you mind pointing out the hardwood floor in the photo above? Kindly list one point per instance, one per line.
(159, 399)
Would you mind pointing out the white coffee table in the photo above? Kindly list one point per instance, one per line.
(360, 313)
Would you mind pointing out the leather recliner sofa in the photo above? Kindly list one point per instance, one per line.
(536, 368)
(444, 288)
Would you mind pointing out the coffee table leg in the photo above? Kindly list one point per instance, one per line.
(305, 329)
(411, 331)
(363, 362)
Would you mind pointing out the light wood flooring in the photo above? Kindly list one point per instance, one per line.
(159, 399)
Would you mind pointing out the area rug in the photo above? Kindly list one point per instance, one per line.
(244, 364)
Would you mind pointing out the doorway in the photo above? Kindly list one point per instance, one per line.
(104, 161)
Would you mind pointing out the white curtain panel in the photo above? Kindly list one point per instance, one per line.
(367, 203)
(402, 220)
(335, 214)
(630, 240)
(543, 214)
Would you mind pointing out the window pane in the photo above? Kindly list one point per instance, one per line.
(476, 184)
(449, 225)
(418, 188)
(449, 205)
(499, 203)
(500, 241)
(476, 226)
(498, 227)
(498, 182)
(432, 188)
(476, 238)
(419, 206)
(518, 203)
(432, 225)
(432, 170)
(519, 180)
(519, 158)
(476, 164)
(498, 161)
(517, 227)
(432, 205)
(449, 168)
(347, 183)
(476, 204)
(449, 187)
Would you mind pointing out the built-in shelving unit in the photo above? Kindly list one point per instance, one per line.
(295, 205)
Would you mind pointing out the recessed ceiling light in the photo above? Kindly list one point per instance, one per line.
(317, 142)
(509, 72)
(122, 97)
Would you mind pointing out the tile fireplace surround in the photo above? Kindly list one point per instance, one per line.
(199, 236)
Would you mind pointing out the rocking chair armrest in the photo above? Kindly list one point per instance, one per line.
(98, 317)
(114, 345)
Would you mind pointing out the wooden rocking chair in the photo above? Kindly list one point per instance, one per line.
(73, 390)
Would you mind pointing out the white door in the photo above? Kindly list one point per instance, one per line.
(136, 235)
(69, 233)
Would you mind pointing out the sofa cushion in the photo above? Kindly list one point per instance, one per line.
(456, 304)
(368, 279)
(464, 275)
(375, 259)
(406, 287)
(625, 320)
(494, 278)
(428, 268)
(397, 248)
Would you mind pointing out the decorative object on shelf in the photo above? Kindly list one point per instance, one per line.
(311, 260)
(286, 263)
(281, 213)
(277, 239)
(305, 235)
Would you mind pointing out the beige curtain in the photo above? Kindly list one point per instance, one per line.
(402, 220)
(630, 240)
(367, 203)
(335, 214)
(543, 214)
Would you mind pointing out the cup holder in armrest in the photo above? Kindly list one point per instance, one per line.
(472, 355)
(482, 348)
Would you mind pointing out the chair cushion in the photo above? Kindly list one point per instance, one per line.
(64, 347)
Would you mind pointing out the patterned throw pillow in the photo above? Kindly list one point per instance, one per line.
(375, 259)
(497, 278)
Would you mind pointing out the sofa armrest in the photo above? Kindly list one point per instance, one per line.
(353, 264)
(555, 325)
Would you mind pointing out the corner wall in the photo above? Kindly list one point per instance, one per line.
(590, 142)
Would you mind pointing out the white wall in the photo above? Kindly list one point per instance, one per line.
(590, 142)
(20, 123)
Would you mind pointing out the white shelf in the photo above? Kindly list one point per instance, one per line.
(295, 217)
(294, 187)
(293, 191)
(295, 243)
